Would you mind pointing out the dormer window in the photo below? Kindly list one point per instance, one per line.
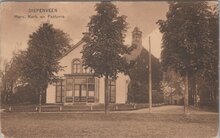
(76, 66)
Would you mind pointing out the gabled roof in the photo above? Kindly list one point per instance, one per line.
(84, 39)
(71, 49)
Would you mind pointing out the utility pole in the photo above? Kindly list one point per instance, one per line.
(186, 94)
(150, 83)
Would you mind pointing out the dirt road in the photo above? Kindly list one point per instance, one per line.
(167, 109)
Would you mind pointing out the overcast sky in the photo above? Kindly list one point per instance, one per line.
(15, 32)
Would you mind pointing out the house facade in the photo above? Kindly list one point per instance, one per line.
(78, 85)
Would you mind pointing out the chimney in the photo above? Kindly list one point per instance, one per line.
(86, 36)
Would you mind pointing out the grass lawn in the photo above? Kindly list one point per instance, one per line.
(112, 125)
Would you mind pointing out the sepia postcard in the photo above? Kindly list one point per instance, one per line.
(109, 69)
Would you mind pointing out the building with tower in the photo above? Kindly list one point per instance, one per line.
(138, 87)
(78, 85)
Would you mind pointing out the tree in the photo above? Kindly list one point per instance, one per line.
(138, 73)
(45, 46)
(185, 33)
(11, 76)
(4, 85)
(208, 76)
(104, 52)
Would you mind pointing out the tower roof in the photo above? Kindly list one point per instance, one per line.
(136, 29)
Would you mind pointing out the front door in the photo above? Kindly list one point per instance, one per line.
(80, 93)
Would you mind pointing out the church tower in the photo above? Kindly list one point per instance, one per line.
(136, 40)
(137, 36)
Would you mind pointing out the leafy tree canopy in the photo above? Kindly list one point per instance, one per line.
(185, 34)
(38, 65)
(104, 52)
(46, 45)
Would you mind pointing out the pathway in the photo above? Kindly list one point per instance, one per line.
(167, 109)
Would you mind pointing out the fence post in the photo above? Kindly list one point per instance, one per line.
(39, 109)
(91, 107)
(61, 108)
(9, 109)
(116, 107)
(36, 108)
(134, 106)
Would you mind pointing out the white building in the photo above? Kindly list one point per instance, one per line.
(78, 85)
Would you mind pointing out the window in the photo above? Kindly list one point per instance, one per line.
(80, 80)
(69, 84)
(59, 91)
(69, 90)
(83, 90)
(80, 92)
(91, 80)
(112, 91)
(91, 90)
(76, 67)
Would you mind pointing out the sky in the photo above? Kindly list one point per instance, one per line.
(14, 31)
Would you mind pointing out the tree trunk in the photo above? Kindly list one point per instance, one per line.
(171, 96)
(106, 94)
(196, 95)
(191, 85)
(186, 94)
(43, 95)
(5, 92)
(39, 94)
(213, 94)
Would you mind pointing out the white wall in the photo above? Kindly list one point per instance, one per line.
(101, 90)
(50, 96)
(121, 89)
